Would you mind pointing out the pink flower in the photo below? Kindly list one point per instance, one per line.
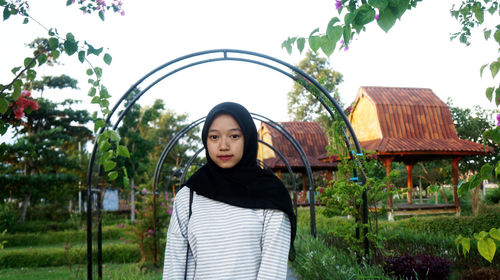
(162, 203)
(377, 16)
(122, 13)
(144, 191)
(374, 156)
(119, 225)
(169, 211)
(498, 120)
(320, 189)
(149, 235)
(150, 230)
(124, 241)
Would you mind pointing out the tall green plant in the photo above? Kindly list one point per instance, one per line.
(344, 195)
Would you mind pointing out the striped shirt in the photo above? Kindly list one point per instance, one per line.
(226, 242)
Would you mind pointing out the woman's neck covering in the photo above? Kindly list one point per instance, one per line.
(246, 184)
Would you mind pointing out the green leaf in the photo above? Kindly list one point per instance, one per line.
(286, 44)
(478, 13)
(92, 50)
(465, 245)
(487, 248)
(113, 175)
(497, 36)
(30, 75)
(349, 18)
(90, 71)
(29, 62)
(123, 151)
(483, 234)
(113, 135)
(103, 93)
(55, 54)
(4, 105)
(6, 13)
(486, 171)
(463, 187)
(26, 20)
(386, 19)
(327, 45)
(69, 2)
(42, 59)
(70, 36)
(96, 100)
(101, 15)
(301, 43)
(482, 69)
(53, 43)
(126, 181)
(107, 58)
(497, 96)
(15, 69)
(98, 72)
(365, 15)
(109, 165)
(104, 145)
(495, 233)
(333, 32)
(81, 56)
(70, 47)
(489, 93)
(92, 92)
(99, 124)
(314, 41)
(494, 67)
(379, 4)
(487, 34)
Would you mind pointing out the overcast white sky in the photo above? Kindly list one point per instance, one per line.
(417, 52)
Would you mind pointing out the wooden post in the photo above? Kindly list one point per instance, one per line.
(409, 193)
(454, 177)
(278, 173)
(304, 188)
(387, 162)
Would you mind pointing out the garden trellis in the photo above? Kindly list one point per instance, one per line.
(195, 59)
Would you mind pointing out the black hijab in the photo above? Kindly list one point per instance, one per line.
(246, 184)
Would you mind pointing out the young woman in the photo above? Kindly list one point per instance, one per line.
(240, 224)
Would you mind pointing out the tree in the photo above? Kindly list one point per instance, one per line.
(42, 162)
(135, 122)
(303, 106)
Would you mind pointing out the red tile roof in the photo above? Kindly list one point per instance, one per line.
(312, 139)
(415, 120)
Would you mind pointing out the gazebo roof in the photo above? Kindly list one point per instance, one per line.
(406, 121)
(311, 137)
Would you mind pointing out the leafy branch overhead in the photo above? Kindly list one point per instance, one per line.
(356, 15)
(47, 51)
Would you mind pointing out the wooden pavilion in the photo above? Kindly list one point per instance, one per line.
(409, 125)
(310, 136)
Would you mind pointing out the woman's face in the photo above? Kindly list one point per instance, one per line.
(225, 142)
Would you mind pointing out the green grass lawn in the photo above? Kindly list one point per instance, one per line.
(110, 271)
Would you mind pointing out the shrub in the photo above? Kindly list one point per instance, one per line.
(59, 237)
(32, 257)
(8, 214)
(493, 196)
(418, 267)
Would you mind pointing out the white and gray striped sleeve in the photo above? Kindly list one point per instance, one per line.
(175, 251)
(275, 245)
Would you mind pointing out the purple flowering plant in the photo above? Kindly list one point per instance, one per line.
(143, 229)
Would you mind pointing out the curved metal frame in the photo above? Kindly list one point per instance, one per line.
(225, 57)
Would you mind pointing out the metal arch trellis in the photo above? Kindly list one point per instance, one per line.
(227, 55)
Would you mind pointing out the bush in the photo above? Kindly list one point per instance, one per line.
(418, 267)
(116, 253)
(493, 196)
(315, 260)
(8, 214)
(488, 217)
(59, 237)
